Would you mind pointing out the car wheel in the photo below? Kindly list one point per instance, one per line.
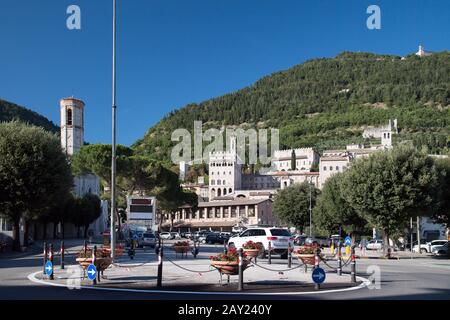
(423, 250)
(203, 241)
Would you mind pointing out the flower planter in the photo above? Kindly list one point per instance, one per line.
(306, 258)
(107, 249)
(252, 253)
(100, 263)
(228, 267)
(181, 249)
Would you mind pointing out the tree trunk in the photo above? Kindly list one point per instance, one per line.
(385, 242)
(55, 227)
(44, 231)
(26, 233)
(16, 236)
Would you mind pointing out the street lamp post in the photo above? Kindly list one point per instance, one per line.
(113, 157)
(310, 208)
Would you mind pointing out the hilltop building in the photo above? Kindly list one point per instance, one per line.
(423, 53)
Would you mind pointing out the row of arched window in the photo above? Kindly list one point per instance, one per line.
(221, 164)
(220, 192)
(219, 182)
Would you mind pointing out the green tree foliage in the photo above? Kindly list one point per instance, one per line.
(325, 103)
(291, 204)
(442, 214)
(84, 211)
(333, 211)
(34, 172)
(390, 187)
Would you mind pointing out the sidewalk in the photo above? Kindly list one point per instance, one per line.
(378, 254)
(197, 275)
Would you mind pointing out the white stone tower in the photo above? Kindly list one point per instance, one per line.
(72, 125)
(386, 139)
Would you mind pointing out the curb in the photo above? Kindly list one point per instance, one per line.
(364, 283)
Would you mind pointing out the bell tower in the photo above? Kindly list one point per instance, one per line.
(72, 125)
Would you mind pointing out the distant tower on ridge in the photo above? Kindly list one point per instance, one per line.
(72, 125)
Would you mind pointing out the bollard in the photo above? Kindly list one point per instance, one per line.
(339, 270)
(241, 271)
(332, 247)
(52, 277)
(45, 255)
(289, 256)
(225, 249)
(353, 265)
(270, 252)
(85, 246)
(160, 267)
(94, 260)
(316, 266)
(62, 255)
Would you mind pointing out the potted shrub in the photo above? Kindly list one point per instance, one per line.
(119, 249)
(252, 249)
(181, 247)
(307, 254)
(228, 263)
(102, 261)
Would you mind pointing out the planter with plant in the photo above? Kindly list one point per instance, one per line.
(252, 249)
(102, 262)
(181, 247)
(307, 254)
(228, 263)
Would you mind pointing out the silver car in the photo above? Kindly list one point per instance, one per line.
(440, 250)
(148, 240)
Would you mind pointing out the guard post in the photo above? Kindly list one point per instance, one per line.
(160, 266)
(353, 265)
(45, 255)
(62, 254)
(225, 249)
(316, 266)
(289, 256)
(339, 270)
(241, 271)
(270, 252)
(52, 276)
(94, 260)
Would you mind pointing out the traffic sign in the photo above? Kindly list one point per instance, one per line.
(348, 241)
(92, 272)
(319, 275)
(49, 268)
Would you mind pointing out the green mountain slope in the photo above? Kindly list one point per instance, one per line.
(326, 103)
(10, 111)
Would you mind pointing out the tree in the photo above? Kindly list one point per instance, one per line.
(390, 187)
(333, 212)
(442, 214)
(85, 211)
(291, 204)
(34, 172)
(293, 161)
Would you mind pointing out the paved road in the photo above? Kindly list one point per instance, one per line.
(402, 279)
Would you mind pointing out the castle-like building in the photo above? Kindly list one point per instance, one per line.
(233, 198)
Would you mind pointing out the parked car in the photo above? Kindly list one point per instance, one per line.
(429, 246)
(202, 237)
(279, 240)
(441, 250)
(176, 235)
(320, 241)
(374, 245)
(148, 240)
(216, 238)
(300, 239)
(166, 236)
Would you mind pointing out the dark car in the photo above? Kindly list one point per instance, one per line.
(213, 238)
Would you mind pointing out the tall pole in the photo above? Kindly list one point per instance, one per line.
(310, 209)
(418, 233)
(113, 164)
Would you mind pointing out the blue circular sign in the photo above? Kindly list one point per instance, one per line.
(91, 272)
(319, 275)
(49, 268)
(348, 241)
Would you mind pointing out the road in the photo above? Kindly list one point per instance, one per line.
(399, 279)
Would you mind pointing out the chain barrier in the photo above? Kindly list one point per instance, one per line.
(130, 266)
(325, 263)
(276, 270)
(190, 270)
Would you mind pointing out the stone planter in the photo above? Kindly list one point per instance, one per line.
(306, 258)
(181, 249)
(228, 267)
(100, 263)
(252, 253)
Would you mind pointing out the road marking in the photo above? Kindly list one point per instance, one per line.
(365, 283)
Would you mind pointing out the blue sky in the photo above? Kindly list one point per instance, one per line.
(175, 52)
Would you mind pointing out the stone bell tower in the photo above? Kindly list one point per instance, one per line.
(72, 125)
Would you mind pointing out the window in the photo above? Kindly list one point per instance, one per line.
(337, 168)
(213, 182)
(224, 182)
(218, 182)
(324, 168)
(280, 232)
(331, 168)
(69, 117)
